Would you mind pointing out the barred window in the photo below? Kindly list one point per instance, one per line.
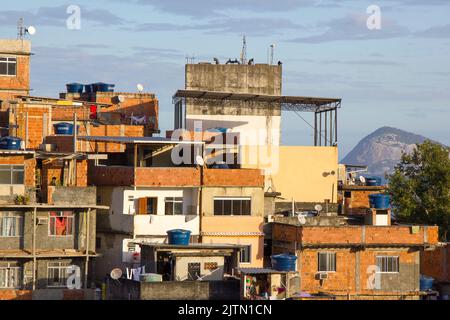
(326, 262)
(246, 254)
(10, 224)
(61, 223)
(57, 274)
(388, 264)
(10, 276)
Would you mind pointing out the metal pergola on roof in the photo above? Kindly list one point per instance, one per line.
(325, 109)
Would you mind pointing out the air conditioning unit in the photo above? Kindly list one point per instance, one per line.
(41, 221)
(322, 275)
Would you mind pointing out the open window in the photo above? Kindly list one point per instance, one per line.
(147, 206)
(61, 223)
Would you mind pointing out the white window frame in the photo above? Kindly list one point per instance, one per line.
(8, 62)
(328, 255)
(173, 200)
(5, 215)
(59, 267)
(386, 257)
(249, 247)
(8, 268)
(231, 199)
(11, 169)
(69, 218)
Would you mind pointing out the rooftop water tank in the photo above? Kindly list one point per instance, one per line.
(10, 143)
(426, 283)
(179, 237)
(103, 87)
(284, 262)
(75, 87)
(380, 201)
(373, 181)
(88, 88)
(64, 128)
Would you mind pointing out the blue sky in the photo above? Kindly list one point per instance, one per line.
(397, 76)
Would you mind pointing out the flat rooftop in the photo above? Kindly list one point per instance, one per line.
(138, 140)
(191, 246)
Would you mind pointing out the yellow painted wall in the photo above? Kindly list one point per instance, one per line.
(301, 171)
(227, 224)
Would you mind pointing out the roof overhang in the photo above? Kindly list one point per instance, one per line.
(288, 103)
(139, 140)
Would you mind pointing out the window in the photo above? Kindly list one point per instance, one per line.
(8, 66)
(174, 206)
(61, 223)
(10, 275)
(10, 174)
(193, 271)
(10, 224)
(147, 205)
(246, 254)
(326, 262)
(57, 274)
(387, 264)
(232, 206)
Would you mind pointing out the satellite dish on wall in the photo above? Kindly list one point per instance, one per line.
(121, 99)
(116, 274)
(318, 207)
(362, 179)
(199, 160)
(31, 30)
(301, 219)
(140, 87)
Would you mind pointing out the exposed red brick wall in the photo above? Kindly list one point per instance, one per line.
(177, 177)
(110, 176)
(233, 177)
(29, 167)
(73, 295)
(354, 234)
(436, 263)
(19, 82)
(15, 294)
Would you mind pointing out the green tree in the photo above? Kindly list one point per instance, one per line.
(420, 187)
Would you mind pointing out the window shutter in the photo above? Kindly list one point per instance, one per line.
(142, 207)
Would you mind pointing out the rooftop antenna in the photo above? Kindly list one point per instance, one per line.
(272, 46)
(190, 59)
(22, 31)
(244, 50)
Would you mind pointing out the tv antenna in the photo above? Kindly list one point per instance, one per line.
(190, 59)
(270, 54)
(244, 50)
(22, 30)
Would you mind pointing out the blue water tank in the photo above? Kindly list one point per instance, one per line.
(284, 262)
(179, 236)
(64, 128)
(75, 87)
(426, 283)
(380, 201)
(88, 88)
(103, 87)
(373, 181)
(10, 143)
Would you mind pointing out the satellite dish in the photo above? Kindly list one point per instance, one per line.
(318, 207)
(116, 273)
(301, 218)
(121, 98)
(200, 160)
(31, 30)
(362, 179)
(140, 87)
